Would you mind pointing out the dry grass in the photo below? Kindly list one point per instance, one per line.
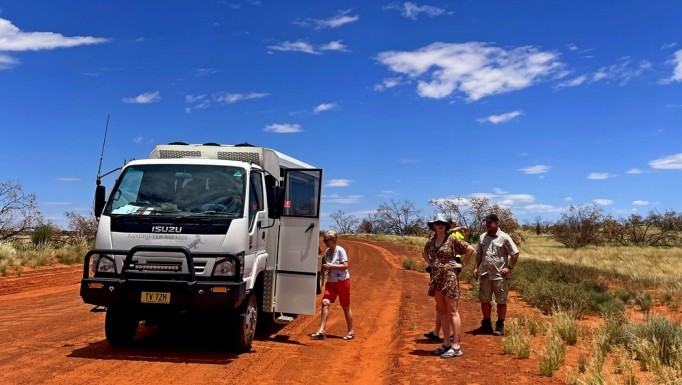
(648, 266)
(20, 254)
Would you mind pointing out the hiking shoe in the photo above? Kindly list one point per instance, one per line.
(486, 327)
(432, 336)
(499, 328)
(441, 350)
(318, 336)
(349, 336)
(452, 352)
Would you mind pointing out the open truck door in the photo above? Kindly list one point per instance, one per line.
(296, 269)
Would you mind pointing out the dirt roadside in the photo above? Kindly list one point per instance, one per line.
(48, 336)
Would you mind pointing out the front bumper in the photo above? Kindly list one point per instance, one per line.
(184, 290)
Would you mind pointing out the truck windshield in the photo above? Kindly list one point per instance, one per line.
(169, 189)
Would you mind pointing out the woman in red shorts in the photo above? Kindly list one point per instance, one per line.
(338, 285)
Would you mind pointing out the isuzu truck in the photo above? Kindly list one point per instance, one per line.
(226, 233)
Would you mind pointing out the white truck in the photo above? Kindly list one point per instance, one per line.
(221, 232)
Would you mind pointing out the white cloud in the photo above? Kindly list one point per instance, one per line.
(68, 179)
(283, 128)
(387, 194)
(138, 139)
(669, 45)
(336, 21)
(203, 72)
(325, 107)
(622, 72)
(603, 202)
(634, 171)
(12, 39)
(573, 82)
(334, 45)
(640, 203)
(475, 69)
(543, 208)
(338, 183)
(498, 190)
(573, 47)
(340, 199)
(231, 98)
(599, 175)
(677, 62)
(568, 199)
(501, 118)
(294, 46)
(58, 203)
(537, 169)
(306, 47)
(671, 162)
(411, 10)
(7, 62)
(388, 83)
(144, 98)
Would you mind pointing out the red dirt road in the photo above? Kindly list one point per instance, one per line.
(48, 336)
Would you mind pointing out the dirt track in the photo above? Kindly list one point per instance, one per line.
(48, 336)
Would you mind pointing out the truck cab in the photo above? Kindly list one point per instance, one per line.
(215, 231)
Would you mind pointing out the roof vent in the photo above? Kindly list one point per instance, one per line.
(178, 143)
(212, 144)
(245, 144)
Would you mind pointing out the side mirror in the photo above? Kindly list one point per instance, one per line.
(100, 199)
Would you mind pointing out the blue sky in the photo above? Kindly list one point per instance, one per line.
(536, 104)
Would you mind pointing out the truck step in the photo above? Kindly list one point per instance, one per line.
(283, 319)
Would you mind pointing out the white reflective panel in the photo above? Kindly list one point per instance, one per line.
(300, 293)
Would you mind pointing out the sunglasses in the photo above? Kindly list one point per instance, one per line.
(325, 240)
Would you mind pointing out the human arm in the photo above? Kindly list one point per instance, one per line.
(479, 259)
(342, 261)
(467, 255)
(513, 253)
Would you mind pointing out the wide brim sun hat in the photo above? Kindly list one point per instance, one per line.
(439, 218)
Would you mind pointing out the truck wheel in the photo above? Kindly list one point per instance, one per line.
(245, 329)
(120, 326)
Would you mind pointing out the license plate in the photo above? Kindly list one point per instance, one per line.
(155, 297)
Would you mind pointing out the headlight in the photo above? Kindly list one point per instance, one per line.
(226, 267)
(106, 264)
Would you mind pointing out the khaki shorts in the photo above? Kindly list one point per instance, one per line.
(487, 288)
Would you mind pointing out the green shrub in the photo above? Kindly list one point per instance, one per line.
(42, 235)
(657, 339)
(644, 302)
(409, 264)
(535, 326)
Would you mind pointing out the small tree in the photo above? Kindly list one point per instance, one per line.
(18, 210)
(399, 217)
(42, 234)
(85, 226)
(472, 212)
(579, 227)
(345, 224)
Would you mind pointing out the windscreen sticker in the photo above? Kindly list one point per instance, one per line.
(238, 173)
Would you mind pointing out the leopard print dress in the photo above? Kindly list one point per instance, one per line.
(444, 275)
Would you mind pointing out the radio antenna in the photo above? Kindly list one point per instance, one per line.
(101, 156)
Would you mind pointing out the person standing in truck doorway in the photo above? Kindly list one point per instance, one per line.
(496, 257)
(338, 285)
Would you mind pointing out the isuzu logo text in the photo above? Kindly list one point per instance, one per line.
(166, 229)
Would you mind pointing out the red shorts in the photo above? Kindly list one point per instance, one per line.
(340, 289)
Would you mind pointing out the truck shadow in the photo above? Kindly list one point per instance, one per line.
(153, 345)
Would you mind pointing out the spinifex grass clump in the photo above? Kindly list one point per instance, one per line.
(553, 355)
(516, 340)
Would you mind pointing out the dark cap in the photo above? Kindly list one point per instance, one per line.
(492, 218)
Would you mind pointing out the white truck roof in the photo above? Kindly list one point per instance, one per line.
(264, 157)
